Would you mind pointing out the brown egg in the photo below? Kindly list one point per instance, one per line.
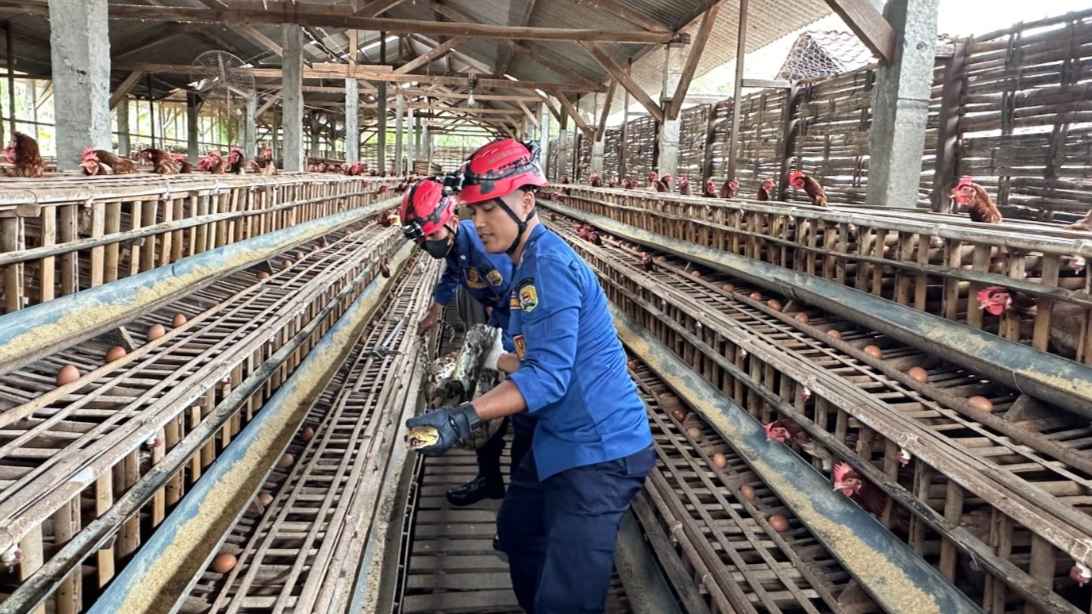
(286, 461)
(918, 374)
(115, 353)
(801, 317)
(774, 304)
(719, 460)
(669, 402)
(693, 432)
(727, 287)
(979, 403)
(755, 296)
(263, 275)
(67, 375)
(632, 364)
(873, 351)
(308, 434)
(265, 498)
(696, 274)
(779, 523)
(224, 562)
(679, 414)
(834, 333)
(747, 492)
(155, 331)
(179, 320)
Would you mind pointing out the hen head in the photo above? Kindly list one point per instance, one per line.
(596, 181)
(652, 176)
(796, 179)
(629, 183)
(995, 300)
(684, 185)
(211, 160)
(775, 431)
(9, 153)
(89, 161)
(731, 188)
(768, 185)
(846, 480)
(964, 191)
(1081, 574)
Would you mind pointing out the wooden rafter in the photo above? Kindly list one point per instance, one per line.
(312, 14)
(601, 130)
(375, 8)
(868, 24)
(431, 55)
(696, 48)
(573, 112)
(125, 87)
(627, 82)
(528, 113)
(504, 59)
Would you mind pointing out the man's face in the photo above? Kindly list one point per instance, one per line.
(440, 234)
(495, 227)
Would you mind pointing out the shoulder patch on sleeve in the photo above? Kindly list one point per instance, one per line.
(494, 277)
(528, 297)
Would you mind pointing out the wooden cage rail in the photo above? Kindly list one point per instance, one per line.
(59, 237)
(140, 407)
(921, 262)
(773, 371)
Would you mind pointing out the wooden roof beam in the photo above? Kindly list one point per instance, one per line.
(691, 66)
(869, 25)
(312, 14)
(375, 8)
(627, 82)
(504, 58)
(528, 113)
(602, 128)
(573, 112)
(618, 9)
(430, 56)
(125, 87)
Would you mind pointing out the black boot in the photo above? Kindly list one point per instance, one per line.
(475, 490)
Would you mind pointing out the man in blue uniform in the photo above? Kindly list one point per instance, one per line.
(592, 445)
(428, 218)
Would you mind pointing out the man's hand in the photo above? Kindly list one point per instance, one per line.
(453, 423)
(430, 320)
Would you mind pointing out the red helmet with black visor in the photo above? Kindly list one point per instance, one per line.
(498, 169)
(424, 210)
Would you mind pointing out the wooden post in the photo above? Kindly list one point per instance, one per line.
(741, 50)
(946, 167)
(48, 267)
(10, 44)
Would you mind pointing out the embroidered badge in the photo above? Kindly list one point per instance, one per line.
(494, 277)
(528, 298)
(521, 346)
(474, 279)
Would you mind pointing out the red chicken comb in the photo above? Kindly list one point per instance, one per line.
(994, 300)
(88, 153)
(964, 182)
(840, 471)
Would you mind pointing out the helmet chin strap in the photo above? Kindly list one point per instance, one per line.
(521, 225)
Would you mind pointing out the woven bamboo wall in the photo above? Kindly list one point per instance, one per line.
(640, 146)
(612, 152)
(692, 129)
(583, 166)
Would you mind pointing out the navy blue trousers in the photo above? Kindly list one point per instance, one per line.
(559, 534)
(489, 455)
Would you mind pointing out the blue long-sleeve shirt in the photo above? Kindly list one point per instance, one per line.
(487, 277)
(572, 372)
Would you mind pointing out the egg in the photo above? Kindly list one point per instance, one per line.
(834, 333)
(632, 364)
(779, 523)
(179, 320)
(224, 562)
(727, 287)
(308, 434)
(265, 498)
(155, 331)
(263, 275)
(980, 403)
(801, 317)
(747, 492)
(679, 415)
(669, 402)
(696, 274)
(115, 353)
(719, 460)
(693, 432)
(873, 351)
(755, 296)
(774, 304)
(286, 461)
(918, 374)
(67, 375)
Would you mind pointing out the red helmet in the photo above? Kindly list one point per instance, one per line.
(499, 168)
(425, 208)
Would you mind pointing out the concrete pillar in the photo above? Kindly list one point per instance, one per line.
(417, 137)
(250, 142)
(900, 105)
(193, 148)
(381, 135)
(80, 55)
(123, 126)
(292, 97)
(427, 136)
(399, 112)
(544, 135)
(411, 143)
(668, 161)
(352, 121)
